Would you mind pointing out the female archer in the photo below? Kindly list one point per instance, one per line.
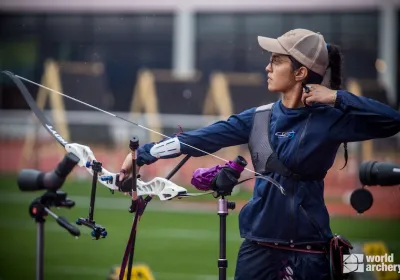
(294, 141)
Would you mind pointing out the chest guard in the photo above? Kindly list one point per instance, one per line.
(262, 155)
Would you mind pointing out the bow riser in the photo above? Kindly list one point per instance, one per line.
(86, 157)
(160, 187)
(84, 153)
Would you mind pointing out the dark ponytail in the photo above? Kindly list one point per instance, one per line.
(335, 65)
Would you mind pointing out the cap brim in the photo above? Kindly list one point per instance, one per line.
(271, 45)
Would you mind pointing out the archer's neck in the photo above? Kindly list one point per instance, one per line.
(292, 98)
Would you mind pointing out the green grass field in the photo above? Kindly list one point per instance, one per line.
(175, 244)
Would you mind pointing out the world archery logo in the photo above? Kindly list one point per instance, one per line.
(378, 263)
(289, 135)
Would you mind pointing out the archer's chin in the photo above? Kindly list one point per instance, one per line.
(272, 89)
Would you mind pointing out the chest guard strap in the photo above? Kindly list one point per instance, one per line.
(263, 157)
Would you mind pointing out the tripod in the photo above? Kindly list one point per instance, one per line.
(38, 209)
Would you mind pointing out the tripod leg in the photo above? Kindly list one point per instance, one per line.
(222, 261)
(39, 250)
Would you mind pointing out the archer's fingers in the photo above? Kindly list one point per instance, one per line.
(309, 100)
(126, 167)
(121, 175)
(305, 96)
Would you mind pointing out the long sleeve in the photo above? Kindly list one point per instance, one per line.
(362, 119)
(231, 132)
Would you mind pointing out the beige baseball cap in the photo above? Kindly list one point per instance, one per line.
(307, 47)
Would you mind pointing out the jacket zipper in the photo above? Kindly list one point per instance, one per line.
(302, 137)
(293, 215)
(293, 189)
(315, 224)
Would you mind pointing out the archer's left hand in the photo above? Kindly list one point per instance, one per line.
(143, 157)
(319, 94)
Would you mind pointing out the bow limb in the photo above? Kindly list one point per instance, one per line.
(163, 188)
(38, 113)
(84, 153)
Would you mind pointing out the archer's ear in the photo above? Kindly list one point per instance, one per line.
(301, 74)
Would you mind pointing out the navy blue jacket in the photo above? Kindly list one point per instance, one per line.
(306, 141)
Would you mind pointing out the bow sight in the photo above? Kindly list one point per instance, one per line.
(97, 230)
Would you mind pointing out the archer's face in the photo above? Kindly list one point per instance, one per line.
(280, 74)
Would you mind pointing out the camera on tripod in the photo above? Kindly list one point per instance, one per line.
(35, 180)
(373, 173)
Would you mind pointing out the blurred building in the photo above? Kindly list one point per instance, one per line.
(205, 36)
(184, 58)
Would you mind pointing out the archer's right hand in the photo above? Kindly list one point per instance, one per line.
(143, 157)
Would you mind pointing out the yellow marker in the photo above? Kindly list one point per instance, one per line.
(380, 249)
(139, 272)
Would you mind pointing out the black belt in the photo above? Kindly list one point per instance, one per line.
(318, 248)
